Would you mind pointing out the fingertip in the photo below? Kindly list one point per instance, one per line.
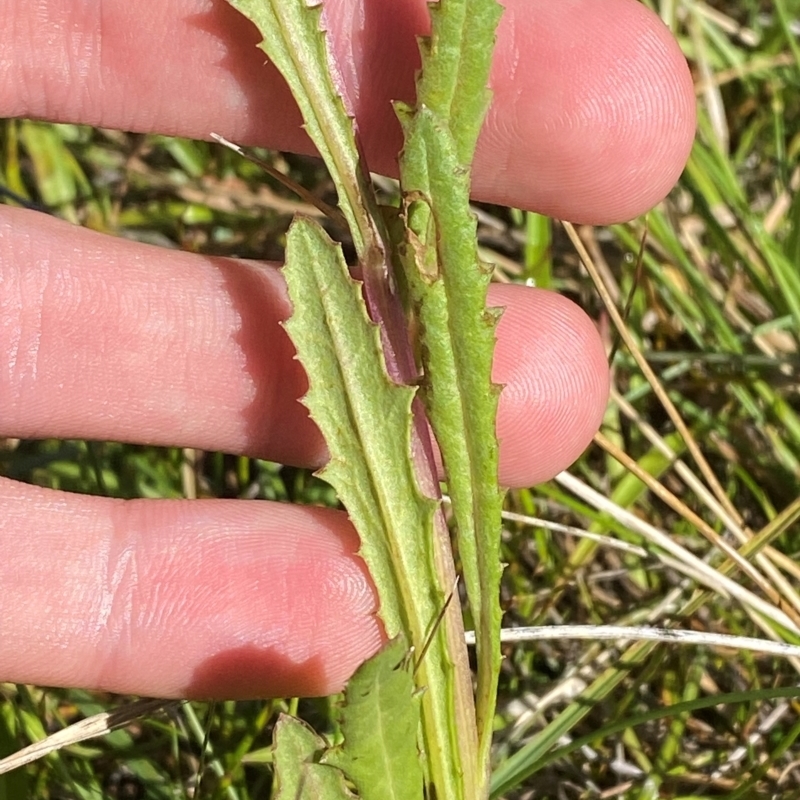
(176, 598)
(593, 115)
(552, 364)
(277, 600)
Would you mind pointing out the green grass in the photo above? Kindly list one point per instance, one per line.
(715, 312)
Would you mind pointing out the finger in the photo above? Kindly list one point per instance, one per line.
(109, 339)
(180, 598)
(593, 111)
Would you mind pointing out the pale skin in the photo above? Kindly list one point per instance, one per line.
(592, 120)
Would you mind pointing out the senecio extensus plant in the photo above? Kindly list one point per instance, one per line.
(412, 726)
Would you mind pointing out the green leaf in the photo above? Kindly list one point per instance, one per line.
(448, 285)
(360, 412)
(457, 333)
(298, 773)
(456, 59)
(294, 42)
(366, 420)
(380, 719)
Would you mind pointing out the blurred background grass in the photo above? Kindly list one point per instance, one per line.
(715, 310)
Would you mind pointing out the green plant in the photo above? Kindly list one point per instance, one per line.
(710, 317)
(418, 261)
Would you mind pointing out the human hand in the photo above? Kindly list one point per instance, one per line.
(102, 338)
